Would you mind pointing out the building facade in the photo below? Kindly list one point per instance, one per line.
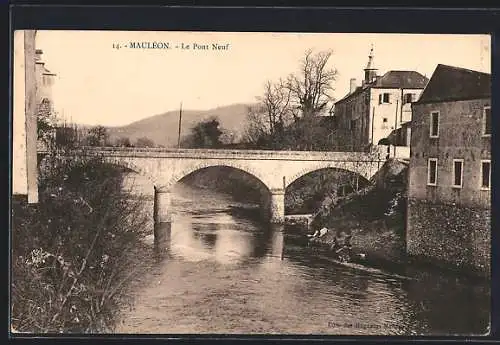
(44, 100)
(449, 188)
(370, 112)
(32, 96)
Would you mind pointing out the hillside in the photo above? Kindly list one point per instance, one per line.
(163, 128)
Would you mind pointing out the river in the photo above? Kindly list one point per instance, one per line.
(228, 273)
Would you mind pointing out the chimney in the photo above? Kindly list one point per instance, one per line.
(38, 55)
(353, 85)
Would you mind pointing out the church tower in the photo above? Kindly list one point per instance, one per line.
(370, 70)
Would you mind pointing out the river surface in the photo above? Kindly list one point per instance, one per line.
(227, 273)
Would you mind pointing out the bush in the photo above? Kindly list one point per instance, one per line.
(70, 253)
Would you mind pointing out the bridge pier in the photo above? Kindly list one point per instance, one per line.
(277, 206)
(162, 217)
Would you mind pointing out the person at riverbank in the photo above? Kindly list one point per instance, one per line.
(341, 240)
(318, 233)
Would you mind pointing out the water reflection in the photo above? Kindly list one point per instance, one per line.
(223, 244)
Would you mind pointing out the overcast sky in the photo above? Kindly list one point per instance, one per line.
(97, 84)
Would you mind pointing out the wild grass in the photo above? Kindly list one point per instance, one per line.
(70, 253)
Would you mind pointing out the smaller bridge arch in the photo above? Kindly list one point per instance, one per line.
(318, 167)
(133, 166)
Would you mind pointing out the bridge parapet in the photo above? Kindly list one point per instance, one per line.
(236, 154)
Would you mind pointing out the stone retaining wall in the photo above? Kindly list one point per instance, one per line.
(450, 234)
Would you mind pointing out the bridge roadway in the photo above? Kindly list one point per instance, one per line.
(274, 169)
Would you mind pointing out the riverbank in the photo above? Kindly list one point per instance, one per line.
(72, 252)
(378, 237)
(375, 216)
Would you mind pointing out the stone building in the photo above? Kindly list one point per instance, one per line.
(370, 112)
(449, 188)
(32, 96)
(44, 100)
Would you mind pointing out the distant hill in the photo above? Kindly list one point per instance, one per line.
(163, 128)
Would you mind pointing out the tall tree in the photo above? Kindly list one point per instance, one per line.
(312, 88)
(276, 103)
(268, 119)
(286, 116)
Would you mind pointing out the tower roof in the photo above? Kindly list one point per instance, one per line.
(370, 65)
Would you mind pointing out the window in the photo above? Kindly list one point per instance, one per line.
(485, 174)
(432, 172)
(458, 171)
(384, 119)
(487, 121)
(384, 98)
(434, 130)
(408, 98)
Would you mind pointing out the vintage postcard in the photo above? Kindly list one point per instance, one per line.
(251, 183)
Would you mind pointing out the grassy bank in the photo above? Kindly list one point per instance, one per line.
(71, 253)
(376, 234)
(375, 216)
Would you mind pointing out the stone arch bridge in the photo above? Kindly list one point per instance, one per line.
(275, 169)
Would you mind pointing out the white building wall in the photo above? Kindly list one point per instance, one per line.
(389, 116)
(19, 172)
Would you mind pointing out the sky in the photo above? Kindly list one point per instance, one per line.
(99, 84)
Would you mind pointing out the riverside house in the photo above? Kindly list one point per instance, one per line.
(449, 191)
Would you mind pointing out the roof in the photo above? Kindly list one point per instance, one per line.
(47, 72)
(358, 90)
(402, 79)
(449, 83)
(393, 79)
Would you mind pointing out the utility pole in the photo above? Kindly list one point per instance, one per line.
(180, 122)
(395, 127)
(373, 124)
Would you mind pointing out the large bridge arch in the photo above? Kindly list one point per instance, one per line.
(250, 179)
(196, 166)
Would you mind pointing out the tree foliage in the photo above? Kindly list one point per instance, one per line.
(46, 123)
(205, 134)
(144, 142)
(98, 136)
(123, 142)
